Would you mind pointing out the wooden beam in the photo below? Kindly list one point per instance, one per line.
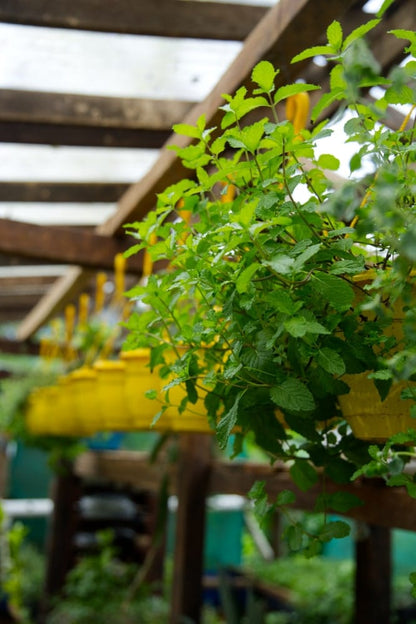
(90, 110)
(62, 245)
(165, 18)
(70, 119)
(62, 192)
(50, 134)
(383, 506)
(18, 348)
(276, 38)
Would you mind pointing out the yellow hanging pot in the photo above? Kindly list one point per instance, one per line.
(39, 411)
(111, 401)
(83, 387)
(139, 379)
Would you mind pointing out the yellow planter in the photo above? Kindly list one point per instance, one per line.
(139, 379)
(83, 388)
(39, 413)
(111, 401)
(369, 417)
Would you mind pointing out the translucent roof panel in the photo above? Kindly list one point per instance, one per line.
(31, 163)
(65, 214)
(71, 61)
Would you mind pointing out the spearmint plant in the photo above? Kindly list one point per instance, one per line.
(256, 307)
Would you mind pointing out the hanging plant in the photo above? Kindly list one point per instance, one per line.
(281, 287)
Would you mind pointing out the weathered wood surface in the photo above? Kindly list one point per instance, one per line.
(276, 38)
(373, 575)
(62, 192)
(194, 464)
(63, 245)
(382, 506)
(165, 18)
(90, 110)
(50, 134)
(70, 119)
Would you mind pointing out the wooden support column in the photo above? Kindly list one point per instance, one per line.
(192, 486)
(66, 491)
(373, 575)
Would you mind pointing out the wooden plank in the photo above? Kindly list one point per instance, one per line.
(165, 18)
(382, 506)
(62, 192)
(90, 110)
(276, 38)
(70, 119)
(194, 465)
(63, 245)
(18, 348)
(50, 134)
(373, 575)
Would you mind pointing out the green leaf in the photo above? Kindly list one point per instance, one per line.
(299, 326)
(360, 32)
(245, 277)
(326, 100)
(294, 535)
(314, 51)
(330, 361)
(227, 423)
(187, 130)
(281, 264)
(293, 395)
(335, 290)
(328, 161)
(303, 474)
(334, 34)
(386, 4)
(288, 90)
(264, 74)
(286, 497)
(336, 529)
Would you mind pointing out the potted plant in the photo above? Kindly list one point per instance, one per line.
(281, 288)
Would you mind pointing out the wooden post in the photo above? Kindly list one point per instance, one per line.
(373, 575)
(66, 491)
(192, 484)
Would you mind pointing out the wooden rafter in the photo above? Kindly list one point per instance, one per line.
(165, 18)
(60, 192)
(70, 119)
(276, 38)
(50, 134)
(62, 245)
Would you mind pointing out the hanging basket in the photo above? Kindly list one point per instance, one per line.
(138, 380)
(368, 416)
(110, 396)
(82, 383)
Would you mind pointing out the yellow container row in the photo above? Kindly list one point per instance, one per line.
(111, 396)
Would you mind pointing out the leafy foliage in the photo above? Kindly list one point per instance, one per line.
(277, 285)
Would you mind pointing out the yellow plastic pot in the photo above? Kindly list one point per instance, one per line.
(83, 388)
(368, 416)
(111, 401)
(138, 380)
(39, 410)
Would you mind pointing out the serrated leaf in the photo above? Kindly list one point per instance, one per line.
(299, 326)
(314, 51)
(264, 74)
(359, 32)
(281, 264)
(330, 361)
(288, 90)
(227, 423)
(245, 277)
(293, 395)
(335, 290)
(326, 100)
(303, 474)
(334, 35)
(187, 130)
